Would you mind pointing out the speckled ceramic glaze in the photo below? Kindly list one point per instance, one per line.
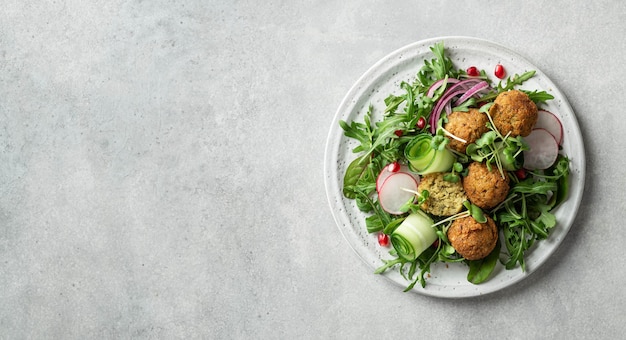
(384, 78)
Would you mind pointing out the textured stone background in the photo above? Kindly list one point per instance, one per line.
(161, 170)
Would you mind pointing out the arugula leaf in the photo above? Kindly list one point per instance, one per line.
(362, 132)
(560, 170)
(527, 215)
(538, 97)
(437, 68)
(392, 102)
(374, 224)
(513, 81)
(471, 102)
(517, 241)
(389, 264)
(530, 186)
(442, 65)
(391, 226)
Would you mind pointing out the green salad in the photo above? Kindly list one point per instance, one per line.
(459, 169)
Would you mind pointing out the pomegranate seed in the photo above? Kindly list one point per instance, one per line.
(435, 244)
(472, 71)
(383, 240)
(421, 123)
(394, 167)
(520, 173)
(499, 71)
(398, 133)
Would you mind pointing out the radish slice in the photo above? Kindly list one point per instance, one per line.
(387, 171)
(396, 191)
(391, 169)
(543, 150)
(549, 121)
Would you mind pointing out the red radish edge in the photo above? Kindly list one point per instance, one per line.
(543, 152)
(549, 121)
(389, 170)
(392, 195)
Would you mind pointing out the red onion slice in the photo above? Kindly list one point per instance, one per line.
(472, 91)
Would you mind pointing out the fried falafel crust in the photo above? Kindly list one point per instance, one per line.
(473, 240)
(467, 125)
(486, 189)
(514, 112)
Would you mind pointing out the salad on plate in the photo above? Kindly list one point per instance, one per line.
(465, 166)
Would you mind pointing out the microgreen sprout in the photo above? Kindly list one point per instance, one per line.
(494, 148)
(451, 135)
(411, 205)
(471, 210)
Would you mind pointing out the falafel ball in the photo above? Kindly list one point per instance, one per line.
(471, 239)
(468, 125)
(513, 111)
(485, 188)
(444, 198)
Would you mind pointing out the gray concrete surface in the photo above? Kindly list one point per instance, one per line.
(161, 170)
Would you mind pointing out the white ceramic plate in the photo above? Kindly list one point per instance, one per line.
(383, 79)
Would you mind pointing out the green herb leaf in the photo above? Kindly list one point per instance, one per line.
(515, 80)
(478, 214)
(391, 226)
(354, 172)
(539, 97)
(479, 270)
(373, 224)
(560, 171)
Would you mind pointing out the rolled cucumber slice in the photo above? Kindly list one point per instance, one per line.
(414, 235)
(424, 159)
